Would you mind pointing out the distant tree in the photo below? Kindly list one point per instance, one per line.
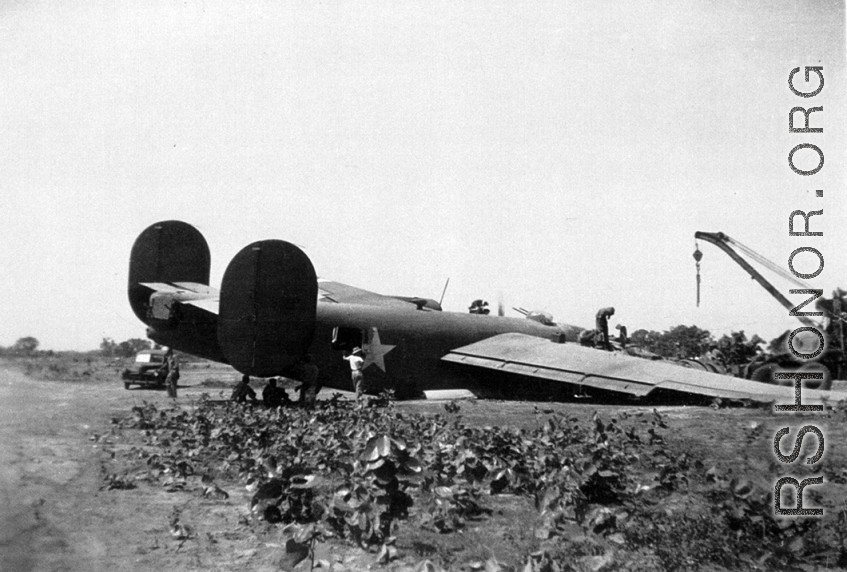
(778, 344)
(684, 342)
(129, 348)
(108, 347)
(737, 349)
(693, 342)
(679, 341)
(25, 346)
(647, 340)
(757, 340)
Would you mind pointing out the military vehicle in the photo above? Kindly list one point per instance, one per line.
(146, 371)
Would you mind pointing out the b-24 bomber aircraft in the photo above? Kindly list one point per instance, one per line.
(271, 309)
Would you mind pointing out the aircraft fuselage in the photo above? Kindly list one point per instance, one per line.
(404, 347)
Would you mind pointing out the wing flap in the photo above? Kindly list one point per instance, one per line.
(613, 371)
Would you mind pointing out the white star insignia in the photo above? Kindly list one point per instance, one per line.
(375, 351)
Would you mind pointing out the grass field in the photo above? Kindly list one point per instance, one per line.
(464, 485)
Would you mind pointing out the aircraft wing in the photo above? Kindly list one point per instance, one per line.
(613, 371)
(329, 291)
(208, 298)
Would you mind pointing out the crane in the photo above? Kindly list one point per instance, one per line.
(726, 243)
(831, 359)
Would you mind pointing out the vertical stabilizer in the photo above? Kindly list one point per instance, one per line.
(268, 301)
(166, 252)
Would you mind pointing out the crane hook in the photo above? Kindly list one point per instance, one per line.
(698, 256)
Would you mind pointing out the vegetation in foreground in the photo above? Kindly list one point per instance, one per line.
(573, 494)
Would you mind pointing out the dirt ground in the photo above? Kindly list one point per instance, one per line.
(57, 448)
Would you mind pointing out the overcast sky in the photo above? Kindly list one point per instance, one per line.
(558, 155)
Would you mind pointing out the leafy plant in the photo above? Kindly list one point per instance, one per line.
(374, 493)
(600, 486)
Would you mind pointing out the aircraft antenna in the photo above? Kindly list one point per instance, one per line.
(444, 291)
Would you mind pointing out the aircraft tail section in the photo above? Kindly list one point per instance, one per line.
(268, 300)
(261, 321)
(166, 252)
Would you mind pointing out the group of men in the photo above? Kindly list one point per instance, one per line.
(599, 337)
(275, 396)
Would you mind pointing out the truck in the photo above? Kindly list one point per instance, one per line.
(147, 370)
(831, 361)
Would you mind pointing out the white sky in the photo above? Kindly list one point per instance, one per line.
(560, 156)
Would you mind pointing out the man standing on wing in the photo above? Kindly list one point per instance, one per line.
(601, 325)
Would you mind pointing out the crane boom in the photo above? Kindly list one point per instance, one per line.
(724, 242)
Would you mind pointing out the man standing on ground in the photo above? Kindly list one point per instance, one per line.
(356, 362)
(173, 373)
(309, 388)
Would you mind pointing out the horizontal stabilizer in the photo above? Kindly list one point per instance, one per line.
(208, 304)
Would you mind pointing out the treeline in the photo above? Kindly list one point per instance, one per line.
(684, 342)
(126, 348)
(27, 346)
(688, 342)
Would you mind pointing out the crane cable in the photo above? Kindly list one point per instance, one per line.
(782, 272)
(767, 264)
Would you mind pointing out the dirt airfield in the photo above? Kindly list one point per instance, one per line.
(59, 451)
